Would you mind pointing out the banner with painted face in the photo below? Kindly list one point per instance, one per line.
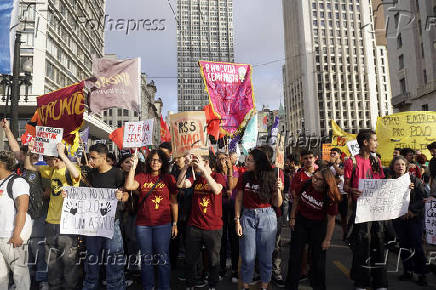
(63, 109)
(230, 93)
(188, 133)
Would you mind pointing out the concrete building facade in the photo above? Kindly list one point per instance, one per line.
(411, 46)
(335, 69)
(204, 32)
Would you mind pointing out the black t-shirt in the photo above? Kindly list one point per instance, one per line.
(432, 166)
(114, 178)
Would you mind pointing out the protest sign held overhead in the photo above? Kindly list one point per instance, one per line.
(430, 221)
(280, 151)
(188, 133)
(405, 130)
(383, 199)
(138, 134)
(63, 109)
(46, 140)
(117, 84)
(230, 93)
(353, 147)
(89, 211)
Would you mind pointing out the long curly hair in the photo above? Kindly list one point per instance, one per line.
(263, 174)
(162, 156)
(330, 184)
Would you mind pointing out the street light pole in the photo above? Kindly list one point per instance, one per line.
(15, 90)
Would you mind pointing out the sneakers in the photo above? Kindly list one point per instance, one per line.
(129, 283)
(200, 284)
(278, 281)
(181, 277)
(221, 275)
(43, 286)
(235, 278)
(422, 281)
(303, 277)
(407, 276)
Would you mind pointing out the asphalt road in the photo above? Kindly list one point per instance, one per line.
(337, 267)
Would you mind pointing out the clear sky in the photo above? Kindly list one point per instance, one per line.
(258, 40)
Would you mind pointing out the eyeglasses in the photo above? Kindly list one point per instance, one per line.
(155, 160)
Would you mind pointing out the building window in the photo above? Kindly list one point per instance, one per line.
(401, 61)
(424, 107)
(125, 113)
(105, 113)
(425, 77)
(120, 112)
(399, 41)
(110, 112)
(403, 85)
(119, 124)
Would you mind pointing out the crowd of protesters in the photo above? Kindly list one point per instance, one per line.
(205, 209)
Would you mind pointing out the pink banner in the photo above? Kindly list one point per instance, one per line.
(230, 93)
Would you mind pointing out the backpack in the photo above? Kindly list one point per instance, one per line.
(36, 198)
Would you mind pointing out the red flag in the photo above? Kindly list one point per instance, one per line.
(213, 122)
(165, 135)
(117, 137)
(31, 128)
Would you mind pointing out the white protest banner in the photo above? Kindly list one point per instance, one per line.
(383, 199)
(353, 146)
(46, 140)
(138, 134)
(89, 211)
(430, 221)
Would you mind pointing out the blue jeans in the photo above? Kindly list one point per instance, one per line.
(259, 228)
(37, 263)
(113, 258)
(154, 243)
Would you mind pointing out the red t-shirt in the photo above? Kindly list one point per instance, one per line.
(311, 204)
(207, 207)
(363, 170)
(299, 178)
(250, 198)
(156, 209)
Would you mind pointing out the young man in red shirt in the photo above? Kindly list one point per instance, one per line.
(366, 239)
(205, 222)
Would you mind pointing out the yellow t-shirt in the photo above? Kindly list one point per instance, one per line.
(57, 180)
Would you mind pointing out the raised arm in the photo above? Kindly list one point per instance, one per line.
(13, 144)
(182, 182)
(27, 162)
(131, 183)
(72, 169)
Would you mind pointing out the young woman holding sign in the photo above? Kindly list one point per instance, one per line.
(313, 221)
(258, 191)
(156, 208)
(409, 228)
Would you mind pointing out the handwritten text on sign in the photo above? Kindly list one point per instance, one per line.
(188, 135)
(46, 140)
(89, 211)
(383, 199)
(430, 221)
(138, 134)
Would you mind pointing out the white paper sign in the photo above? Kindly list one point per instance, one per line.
(46, 140)
(383, 199)
(353, 146)
(138, 134)
(430, 221)
(89, 211)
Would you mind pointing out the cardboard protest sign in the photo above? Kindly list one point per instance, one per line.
(405, 130)
(280, 151)
(46, 140)
(138, 134)
(188, 133)
(89, 211)
(383, 199)
(326, 147)
(353, 147)
(430, 221)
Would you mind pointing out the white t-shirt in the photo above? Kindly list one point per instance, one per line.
(8, 211)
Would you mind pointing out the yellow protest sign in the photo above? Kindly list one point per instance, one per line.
(340, 138)
(405, 130)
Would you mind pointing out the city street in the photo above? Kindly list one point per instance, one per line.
(338, 266)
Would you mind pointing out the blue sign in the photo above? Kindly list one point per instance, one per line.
(6, 7)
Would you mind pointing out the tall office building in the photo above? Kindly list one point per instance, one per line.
(59, 39)
(335, 69)
(412, 54)
(205, 32)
